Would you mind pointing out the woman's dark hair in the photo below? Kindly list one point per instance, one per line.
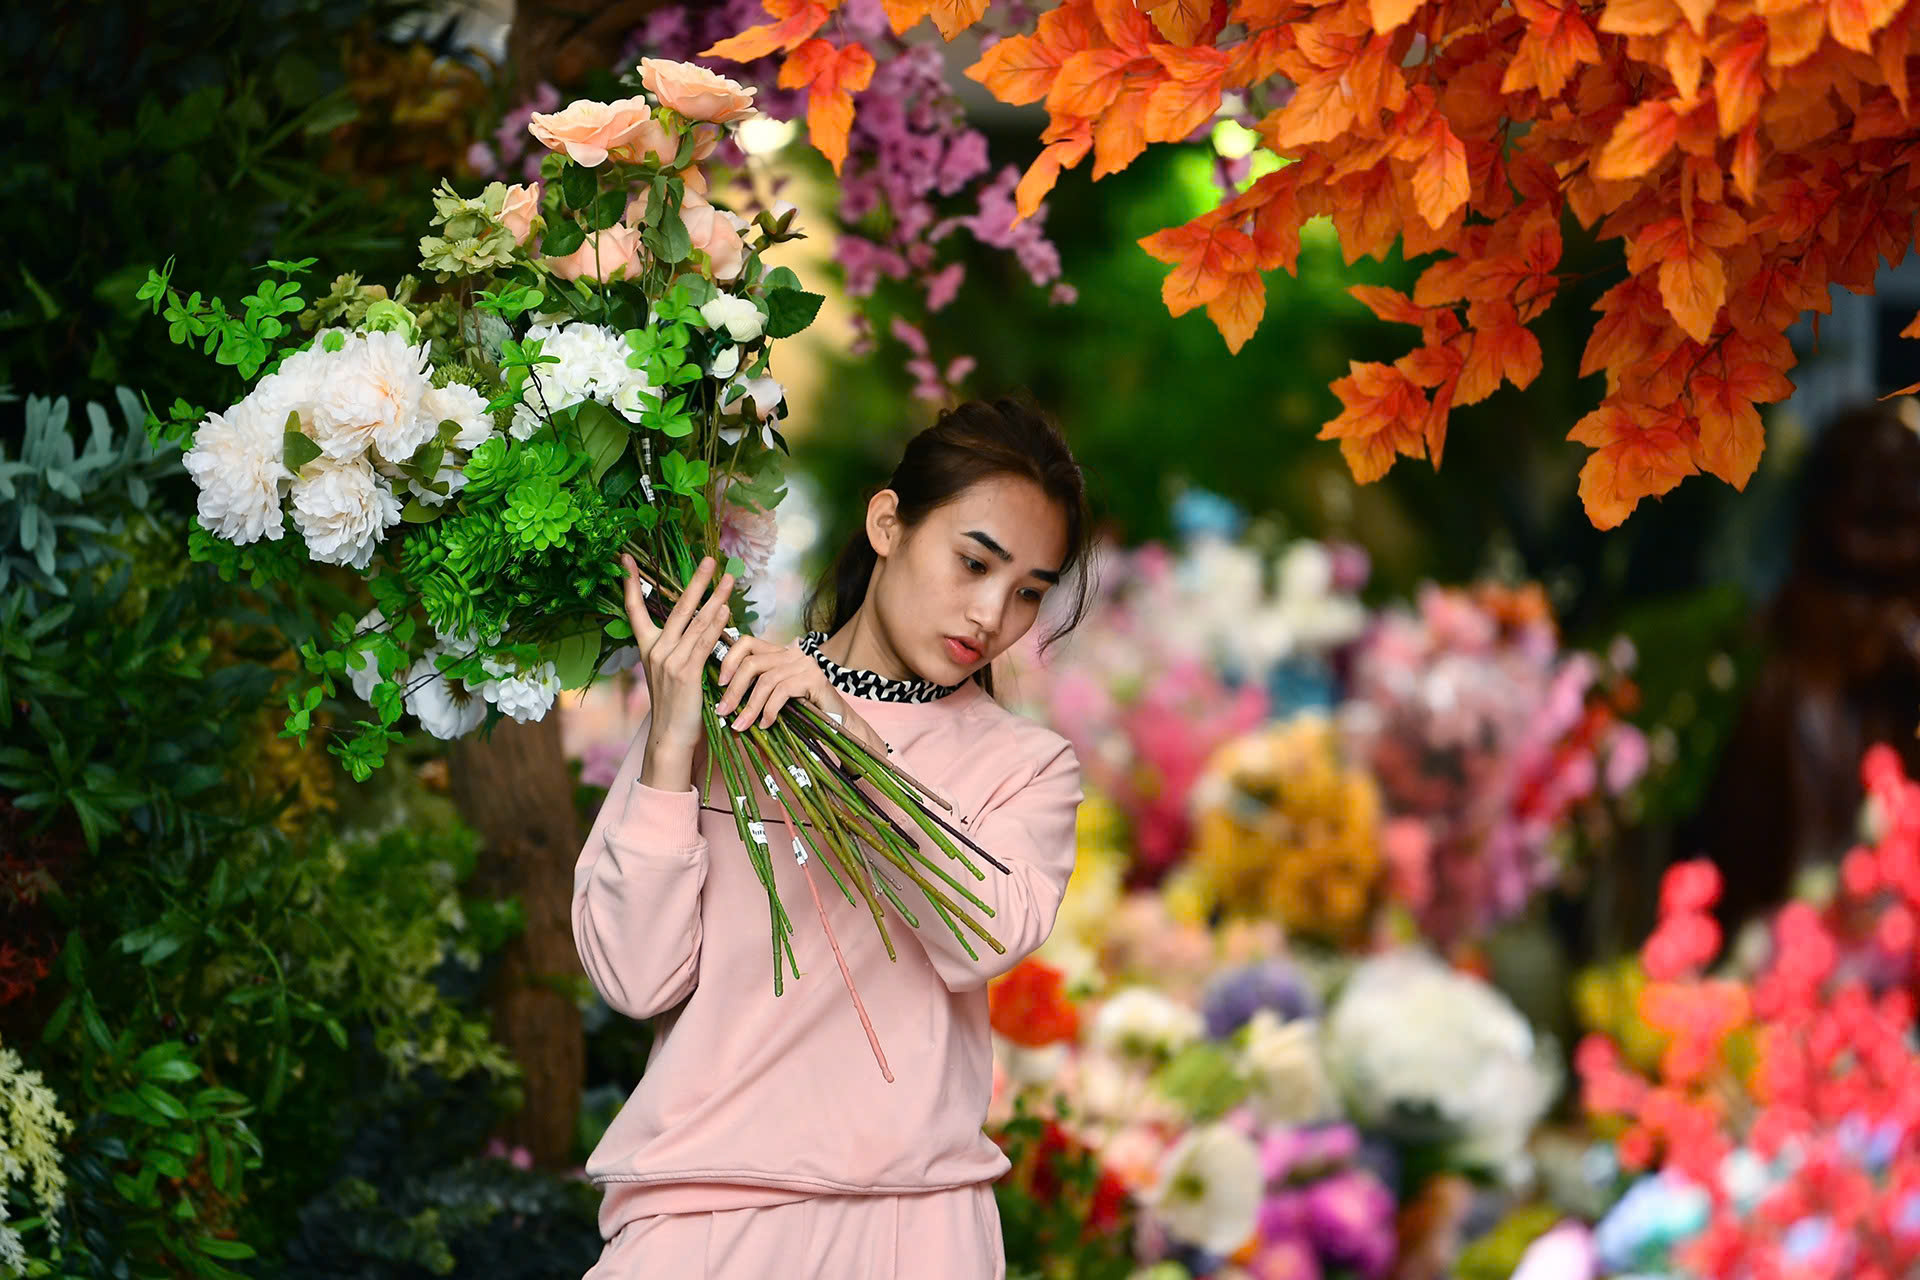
(972, 442)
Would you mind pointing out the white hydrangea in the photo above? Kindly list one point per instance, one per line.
(592, 366)
(527, 696)
(1410, 1036)
(343, 509)
(371, 398)
(445, 708)
(238, 461)
(463, 405)
(1282, 1061)
(1141, 1022)
(31, 1129)
(362, 670)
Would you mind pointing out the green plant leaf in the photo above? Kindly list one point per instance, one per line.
(607, 208)
(603, 435)
(791, 310)
(562, 238)
(670, 242)
(575, 658)
(577, 186)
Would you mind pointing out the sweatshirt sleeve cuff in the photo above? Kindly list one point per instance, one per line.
(667, 821)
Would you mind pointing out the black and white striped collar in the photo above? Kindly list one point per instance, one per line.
(866, 684)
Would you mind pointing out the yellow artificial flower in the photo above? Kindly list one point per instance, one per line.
(1287, 829)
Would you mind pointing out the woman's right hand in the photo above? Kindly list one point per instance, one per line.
(675, 655)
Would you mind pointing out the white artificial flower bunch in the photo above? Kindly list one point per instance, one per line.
(592, 365)
(365, 404)
(1413, 1042)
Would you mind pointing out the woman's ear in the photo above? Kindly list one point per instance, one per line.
(883, 522)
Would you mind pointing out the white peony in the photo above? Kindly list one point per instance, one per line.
(370, 398)
(525, 697)
(343, 509)
(1282, 1060)
(238, 460)
(725, 363)
(361, 668)
(738, 316)
(445, 708)
(1412, 1042)
(1140, 1022)
(461, 404)
(1209, 1190)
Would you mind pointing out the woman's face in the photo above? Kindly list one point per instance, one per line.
(961, 587)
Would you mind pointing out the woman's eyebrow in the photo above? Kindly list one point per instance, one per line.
(1045, 575)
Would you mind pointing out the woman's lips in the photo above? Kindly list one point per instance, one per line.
(962, 652)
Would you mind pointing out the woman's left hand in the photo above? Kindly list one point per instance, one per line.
(760, 677)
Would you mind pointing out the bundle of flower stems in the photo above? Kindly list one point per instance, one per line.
(812, 768)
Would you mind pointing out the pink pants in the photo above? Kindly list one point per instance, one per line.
(941, 1235)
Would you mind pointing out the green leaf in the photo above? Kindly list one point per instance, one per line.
(300, 450)
(607, 208)
(782, 278)
(563, 238)
(577, 187)
(603, 435)
(418, 512)
(161, 1101)
(671, 243)
(576, 657)
(791, 310)
(215, 1248)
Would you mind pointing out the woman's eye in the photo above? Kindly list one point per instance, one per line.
(1032, 595)
(973, 566)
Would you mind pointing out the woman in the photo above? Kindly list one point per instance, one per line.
(762, 1140)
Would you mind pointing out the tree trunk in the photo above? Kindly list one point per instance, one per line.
(515, 790)
(561, 41)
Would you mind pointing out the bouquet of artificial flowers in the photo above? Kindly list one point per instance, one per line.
(586, 376)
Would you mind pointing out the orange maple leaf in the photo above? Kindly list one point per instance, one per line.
(1184, 22)
(1385, 417)
(1640, 141)
(1237, 308)
(1189, 96)
(1389, 304)
(796, 20)
(1558, 41)
(1440, 175)
(1067, 145)
(831, 77)
(1502, 348)
(951, 17)
(1640, 452)
(1017, 70)
(1120, 132)
(1204, 254)
(1088, 82)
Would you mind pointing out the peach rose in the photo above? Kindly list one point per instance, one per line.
(600, 255)
(590, 131)
(712, 232)
(522, 207)
(695, 93)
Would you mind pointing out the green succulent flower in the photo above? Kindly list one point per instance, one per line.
(388, 316)
(539, 512)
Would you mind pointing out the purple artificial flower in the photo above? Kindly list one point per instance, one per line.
(1350, 1219)
(1234, 997)
(1307, 1152)
(1288, 1258)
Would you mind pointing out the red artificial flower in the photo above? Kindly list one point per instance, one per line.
(1029, 1005)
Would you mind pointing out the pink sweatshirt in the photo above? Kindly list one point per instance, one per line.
(749, 1100)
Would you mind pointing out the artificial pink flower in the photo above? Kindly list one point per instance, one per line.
(694, 92)
(712, 233)
(601, 256)
(591, 131)
(521, 208)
